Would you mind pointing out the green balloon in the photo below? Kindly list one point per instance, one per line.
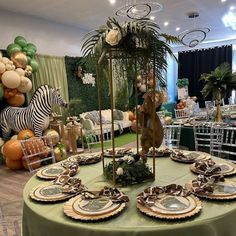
(30, 53)
(31, 46)
(28, 60)
(20, 41)
(34, 65)
(25, 49)
(12, 48)
(1, 92)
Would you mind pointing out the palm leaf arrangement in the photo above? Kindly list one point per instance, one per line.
(218, 82)
(138, 39)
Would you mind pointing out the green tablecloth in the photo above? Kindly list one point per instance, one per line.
(215, 219)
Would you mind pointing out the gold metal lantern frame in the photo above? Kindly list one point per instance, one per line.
(140, 42)
(114, 54)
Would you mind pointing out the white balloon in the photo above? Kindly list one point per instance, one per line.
(13, 67)
(8, 67)
(25, 85)
(5, 60)
(2, 68)
(20, 71)
(11, 79)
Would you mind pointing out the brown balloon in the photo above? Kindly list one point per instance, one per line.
(19, 59)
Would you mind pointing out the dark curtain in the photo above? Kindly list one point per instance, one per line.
(194, 63)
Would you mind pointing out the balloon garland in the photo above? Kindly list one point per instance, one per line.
(15, 71)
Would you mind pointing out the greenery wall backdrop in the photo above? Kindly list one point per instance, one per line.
(83, 97)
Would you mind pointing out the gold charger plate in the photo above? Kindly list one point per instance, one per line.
(191, 156)
(92, 209)
(225, 190)
(49, 193)
(227, 168)
(51, 172)
(172, 207)
(159, 153)
(118, 152)
(86, 158)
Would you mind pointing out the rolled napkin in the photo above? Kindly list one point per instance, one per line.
(208, 167)
(114, 194)
(204, 184)
(150, 195)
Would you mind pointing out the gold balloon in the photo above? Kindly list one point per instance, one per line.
(19, 59)
(28, 68)
(28, 73)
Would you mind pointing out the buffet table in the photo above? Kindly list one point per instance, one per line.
(217, 218)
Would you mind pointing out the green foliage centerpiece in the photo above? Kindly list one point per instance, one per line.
(135, 47)
(130, 169)
(218, 82)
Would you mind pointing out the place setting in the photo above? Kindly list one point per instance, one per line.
(63, 187)
(52, 171)
(96, 205)
(209, 167)
(85, 158)
(214, 187)
(185, 156)
(171, 202)
(119, 152)
(159, 152)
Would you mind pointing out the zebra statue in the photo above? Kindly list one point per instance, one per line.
(35, 116)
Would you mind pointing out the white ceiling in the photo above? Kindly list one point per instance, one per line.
(90, 14)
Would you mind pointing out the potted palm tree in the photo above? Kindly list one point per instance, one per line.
(218, 83)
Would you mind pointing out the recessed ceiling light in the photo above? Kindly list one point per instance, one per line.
(166, 23)
(177, 28)
(152, 17)
(112, 1)
(232, 8)
(223, 0)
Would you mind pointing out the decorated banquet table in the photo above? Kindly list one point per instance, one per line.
(217, 218)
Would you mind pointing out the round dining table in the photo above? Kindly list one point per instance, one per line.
(217, 218)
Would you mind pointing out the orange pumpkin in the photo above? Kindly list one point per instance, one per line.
(13, 165)
(17, 100)
(131, 115)
(25, 134)
(12, 150)
(33, 165)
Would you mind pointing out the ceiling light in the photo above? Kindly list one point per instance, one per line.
(177, 28)
(152, 17)
(139, 9)
(229, 20)
(166, 23)
(223, 0)
(192, 37)
(112, 2)
(232, 8)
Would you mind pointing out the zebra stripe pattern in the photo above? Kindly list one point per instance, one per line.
(33, 117)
